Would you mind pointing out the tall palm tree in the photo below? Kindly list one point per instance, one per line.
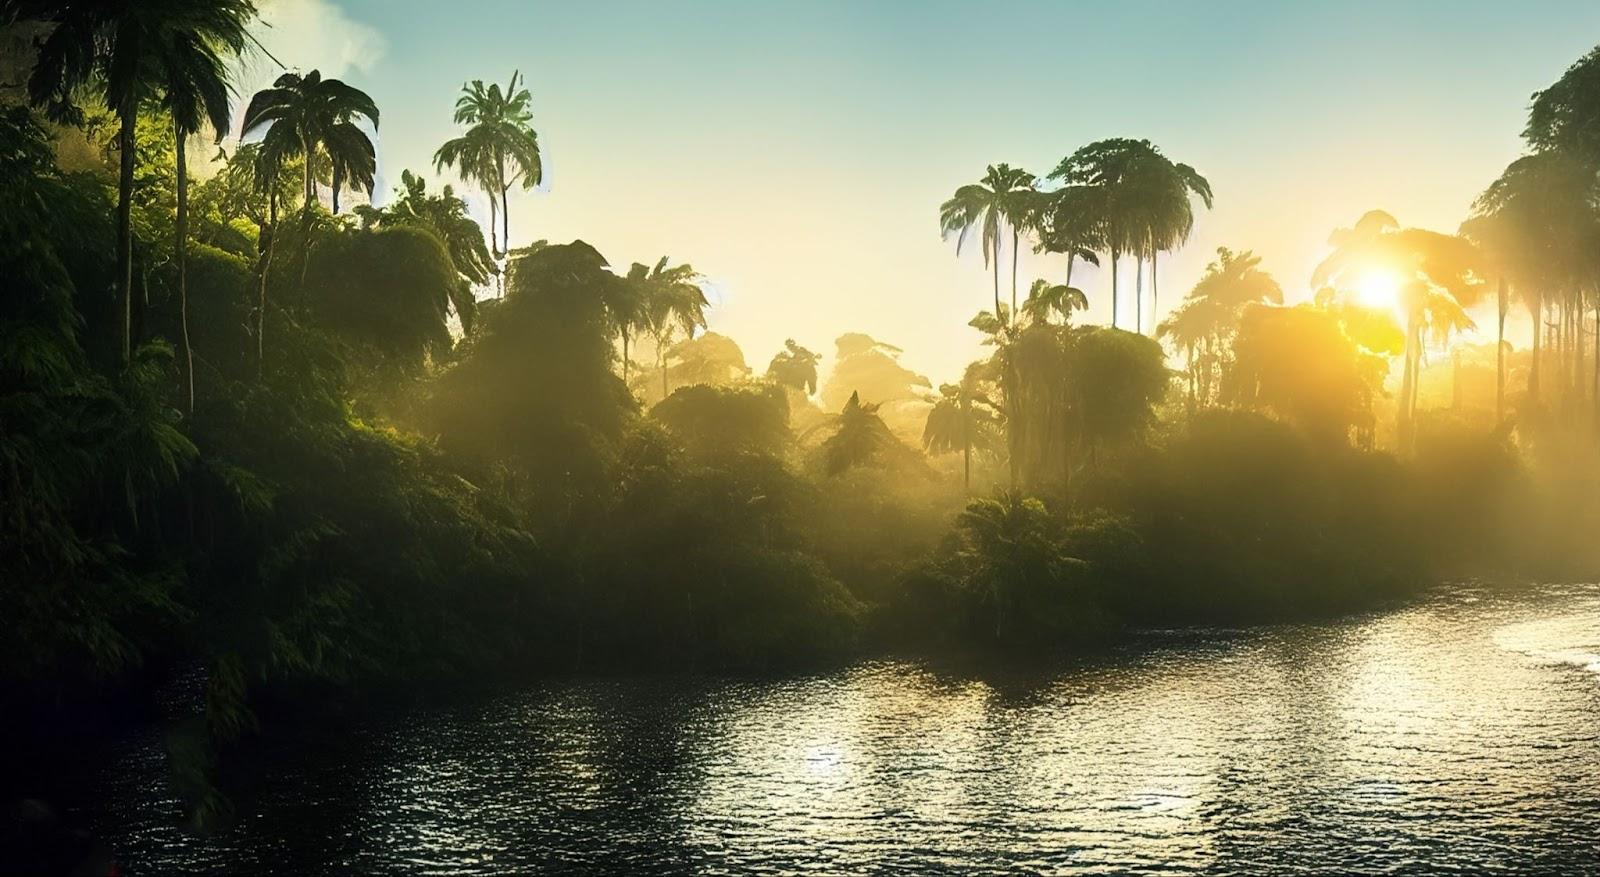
(308, 115)
(1071, 226)
(191, 74)
(962, 418)
(128, 53)
(988, 205)
(1109, 169)
(1170, 213)
(1566, 116)
(499, 149)
(626, 302)
(1533, 225)
(1440, 275)
(1203, 326)
(673, 301)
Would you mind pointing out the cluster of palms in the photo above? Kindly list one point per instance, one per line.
(1203, 327)
(1116, 197)
(1537, 228)
(659, 301)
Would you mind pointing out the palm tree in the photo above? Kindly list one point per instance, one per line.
(190, 72)
(987, 205)
(499, 149)
(1440, 275)
(1045, 299)
(1108, 169)
(673, 301)
(962, 418)
(1533, 225)
(307, 115)
(1071, 225)
(1170, 213)
(129, 52)
(1204, 325)
(625, 303)
(1566, 116)
(445, 215)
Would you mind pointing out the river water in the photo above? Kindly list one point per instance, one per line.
(1459, 733)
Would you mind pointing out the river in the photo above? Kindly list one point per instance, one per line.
(1461, 732)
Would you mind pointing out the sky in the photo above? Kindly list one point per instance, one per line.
(796, 153)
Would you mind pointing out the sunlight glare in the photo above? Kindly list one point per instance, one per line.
(1379, 289)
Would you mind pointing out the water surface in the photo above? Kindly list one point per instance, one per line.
(1461, 733)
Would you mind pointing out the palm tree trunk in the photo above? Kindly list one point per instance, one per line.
(1537, 312)
(1155, 293)
(624, 357)
(663, 357)
(1016, 239)
(182, 233)
(1114, 255)
(966, 441)
(1070, 257)
(125, 143)
(266, 269)
(494, 227)
(997, 277)
(338, 180)
(310, 181)
(1138, 293)
(505, 218)
(1408, 378)
(1500, 355)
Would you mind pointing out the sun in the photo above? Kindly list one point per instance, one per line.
(1379, 290)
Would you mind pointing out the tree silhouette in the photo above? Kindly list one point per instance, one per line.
(991, 206)
(499, 150)
(129, 53)
(309, 115)
(795, 366)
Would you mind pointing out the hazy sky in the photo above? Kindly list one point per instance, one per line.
(797, 153)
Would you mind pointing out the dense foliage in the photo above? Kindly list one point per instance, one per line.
(374, 475)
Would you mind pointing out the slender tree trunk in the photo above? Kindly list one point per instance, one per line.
(997, 278)
(625, 357)
(663, 357)
(1016, 239)
(310, 181)
(966, 442)
(505, 218)
(1138, 293)
(1407, 381)
(1536, 310)
(1191, 380)
(494, 227)
(338, 181)
(1070, 257)
(266, 270)
(125, 143)
(1500, 354)
(1114, 255)
(182, 230)
(1155, 293)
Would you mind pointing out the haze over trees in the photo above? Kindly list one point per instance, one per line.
(399, 450)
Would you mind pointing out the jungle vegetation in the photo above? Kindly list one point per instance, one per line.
(250, 432)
